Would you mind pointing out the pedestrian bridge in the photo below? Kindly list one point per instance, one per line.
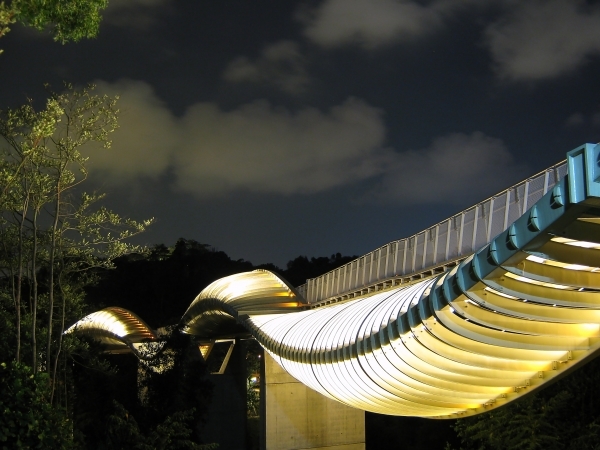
(459, 319)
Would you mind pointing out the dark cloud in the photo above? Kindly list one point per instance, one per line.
(141, 15)
(575, 120)
(370, 23)
(544, 39)
(580, 120)
(453, 169)
(280, 65)
(528, 40)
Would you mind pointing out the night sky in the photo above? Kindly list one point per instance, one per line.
(271, 129)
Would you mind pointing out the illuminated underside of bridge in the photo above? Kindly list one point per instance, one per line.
(521, 311)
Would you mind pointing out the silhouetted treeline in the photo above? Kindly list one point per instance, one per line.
(161, 285)
(300, 269)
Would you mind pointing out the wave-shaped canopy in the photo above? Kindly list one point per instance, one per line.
(119, 330)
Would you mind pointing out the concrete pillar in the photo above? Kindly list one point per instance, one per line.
(226, 418)
(295, 417)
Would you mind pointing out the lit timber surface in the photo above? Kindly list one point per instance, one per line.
(520, 311)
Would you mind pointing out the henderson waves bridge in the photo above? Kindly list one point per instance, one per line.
(461, 318)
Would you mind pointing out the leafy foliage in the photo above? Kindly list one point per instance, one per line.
(156, 405)
(174, 433)
(254, 355)
(173, 381)
(52, 233)
(53, 236)
(68, 20)
(27, 419)
(7, 17)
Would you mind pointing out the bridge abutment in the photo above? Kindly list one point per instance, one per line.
(294, 417)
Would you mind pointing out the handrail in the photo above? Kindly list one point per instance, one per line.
(455, 237)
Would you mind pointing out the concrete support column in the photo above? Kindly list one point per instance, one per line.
(226, 418)
(295, 417)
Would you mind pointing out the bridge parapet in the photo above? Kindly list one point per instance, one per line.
(437, 246)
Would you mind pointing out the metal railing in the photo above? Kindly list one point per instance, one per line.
(451, 239)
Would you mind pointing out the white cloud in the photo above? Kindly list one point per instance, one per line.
(456, 168)
(265, 149)
(543, 39)
(372, 23)
(147, 136)
(256, 147)
(529, 40)
(261, 148)
(280, 64)
(368, 22)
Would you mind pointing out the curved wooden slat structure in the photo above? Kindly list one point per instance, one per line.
(119, 330)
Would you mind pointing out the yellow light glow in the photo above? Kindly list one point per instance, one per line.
(502, 294)
(536, 282)
(575, 243)
(562, 265)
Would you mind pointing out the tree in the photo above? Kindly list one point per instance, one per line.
(156, 404)
(161, 285)
(254, 355)
(28, 419)
(301, 268)
(174, 433)
(53, 235)
(68, 20)
(565, 415)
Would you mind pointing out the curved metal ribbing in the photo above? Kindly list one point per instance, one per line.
(412, 351)
(119, 330)
(520, 312)
(214, 310)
